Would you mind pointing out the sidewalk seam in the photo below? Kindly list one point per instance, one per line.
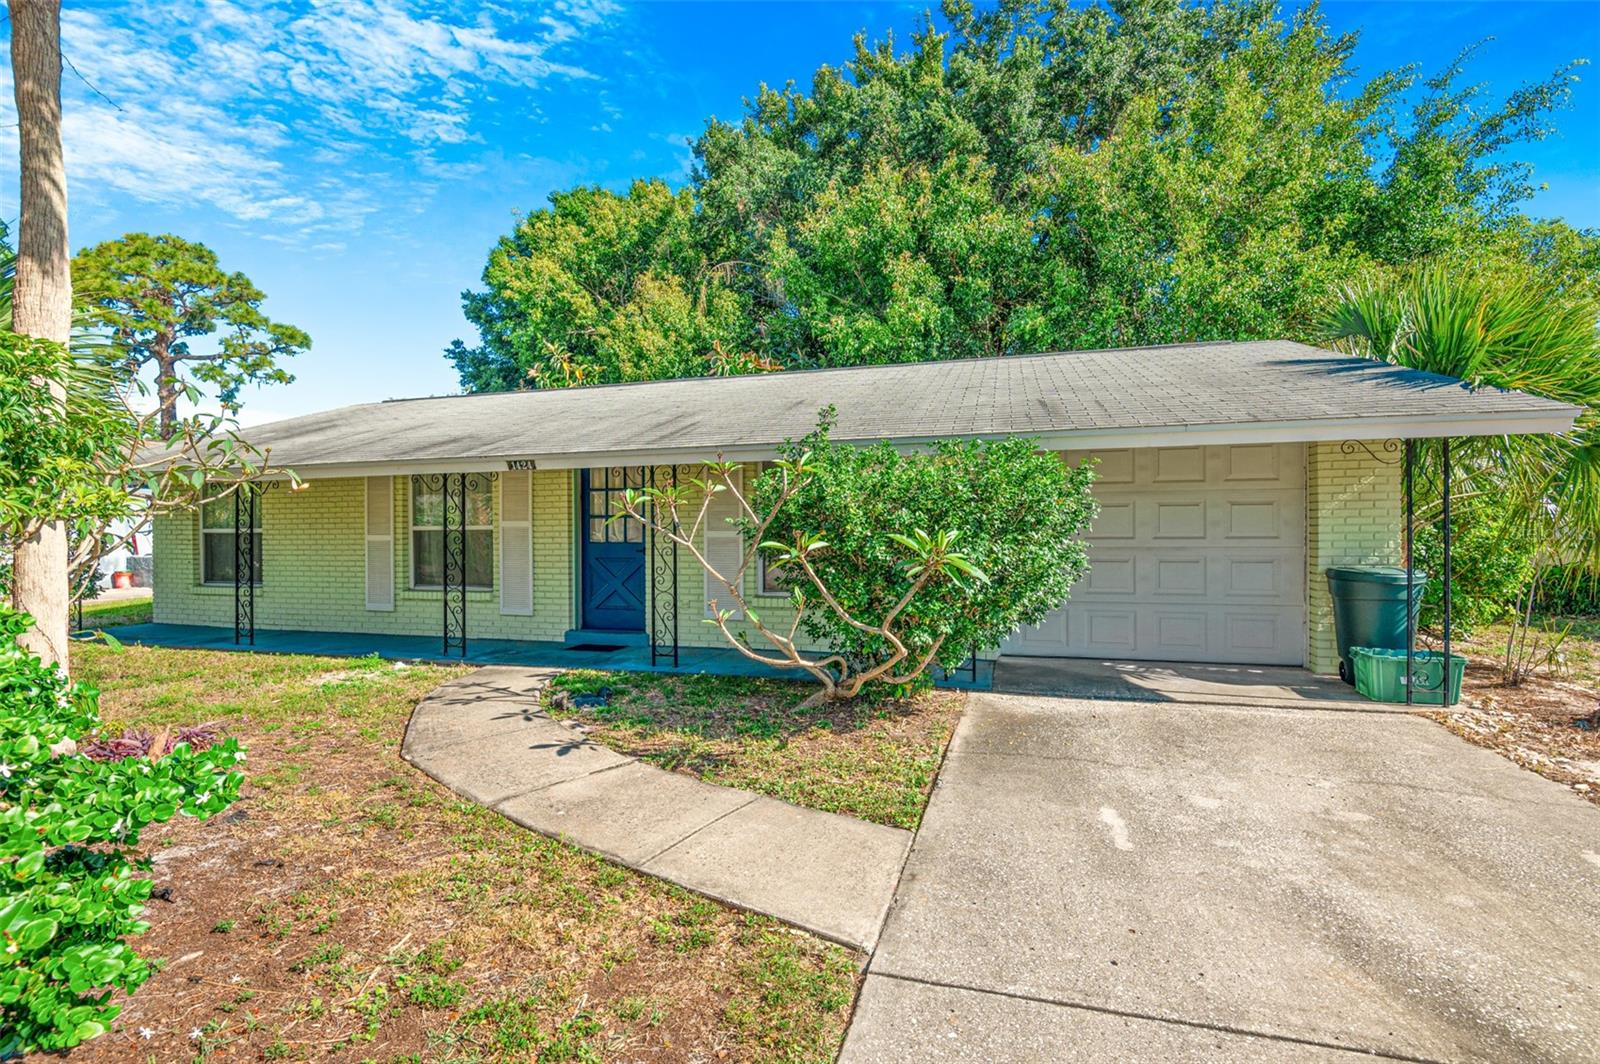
(1204, 1025)
(716, 819)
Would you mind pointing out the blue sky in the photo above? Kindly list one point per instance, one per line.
(357, 158)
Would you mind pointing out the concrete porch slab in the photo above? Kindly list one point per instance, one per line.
(715, 661)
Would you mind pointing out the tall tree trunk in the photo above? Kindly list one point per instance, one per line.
(166, 392)
(42, 295)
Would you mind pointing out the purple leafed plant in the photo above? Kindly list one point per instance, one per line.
(141, 743)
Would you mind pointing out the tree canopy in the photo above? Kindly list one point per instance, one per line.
(156, 294)
(1038, 176)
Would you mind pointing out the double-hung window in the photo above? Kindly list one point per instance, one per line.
(216, 534)
(427, 533)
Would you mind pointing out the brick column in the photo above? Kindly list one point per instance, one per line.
(1354, 516)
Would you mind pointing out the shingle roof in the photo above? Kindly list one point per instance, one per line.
(1225, 392)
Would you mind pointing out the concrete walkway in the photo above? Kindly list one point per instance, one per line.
(484, 737)
(1273, 879)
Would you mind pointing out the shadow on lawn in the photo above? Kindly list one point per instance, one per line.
(712, 707)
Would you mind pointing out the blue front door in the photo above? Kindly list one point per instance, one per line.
(613, 552)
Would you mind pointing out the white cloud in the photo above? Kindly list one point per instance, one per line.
(284, 114)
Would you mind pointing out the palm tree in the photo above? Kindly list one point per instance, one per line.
(1498, 334)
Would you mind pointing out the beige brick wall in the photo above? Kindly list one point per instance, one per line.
(314, 576)
(314, 567)
(1354, 513)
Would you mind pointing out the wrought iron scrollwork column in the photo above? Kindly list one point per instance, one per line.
(663, 560)
(453, 576)
(244, 563)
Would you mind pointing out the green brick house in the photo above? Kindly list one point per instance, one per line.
(1230, 476)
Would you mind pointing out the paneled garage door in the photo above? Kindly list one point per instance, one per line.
(1198, 555)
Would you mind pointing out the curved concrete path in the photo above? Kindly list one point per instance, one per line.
(484, 737)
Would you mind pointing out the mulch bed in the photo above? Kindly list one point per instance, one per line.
(1547, 725)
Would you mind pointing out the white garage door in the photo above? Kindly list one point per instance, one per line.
(1198, 555)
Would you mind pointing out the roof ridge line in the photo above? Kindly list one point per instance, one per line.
(709, 378)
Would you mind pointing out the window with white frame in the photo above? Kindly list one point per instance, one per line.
(216, 535)
(427, 534)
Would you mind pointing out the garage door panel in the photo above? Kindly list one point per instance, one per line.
(1176, 518)
(1106, 632)
(1180, 465)
(1110, 574)
(1181, 575)
(1254, 576)
(1198, 555)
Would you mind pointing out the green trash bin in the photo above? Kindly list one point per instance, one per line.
(1369, 609)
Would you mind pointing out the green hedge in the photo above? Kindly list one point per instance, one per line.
(1568, 592)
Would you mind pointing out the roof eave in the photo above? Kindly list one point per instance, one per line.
(1548, 419)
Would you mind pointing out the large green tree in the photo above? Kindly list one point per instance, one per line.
(158, 295)
(1042, 175)
(600, 288)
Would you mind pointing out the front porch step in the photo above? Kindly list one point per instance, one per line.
(603, 637)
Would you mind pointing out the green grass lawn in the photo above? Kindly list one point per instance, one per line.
(872, 758)
(349, 908)
(112, 613)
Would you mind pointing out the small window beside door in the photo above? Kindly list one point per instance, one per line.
(606, 488)
(216, 535)
(427, 534)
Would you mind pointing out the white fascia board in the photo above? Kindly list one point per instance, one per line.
(1517, 423)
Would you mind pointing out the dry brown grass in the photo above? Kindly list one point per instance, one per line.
(348, 908)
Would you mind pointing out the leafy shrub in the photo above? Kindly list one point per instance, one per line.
(1017, 514)
(68, 823)
(1568, 591)
(1491, 562)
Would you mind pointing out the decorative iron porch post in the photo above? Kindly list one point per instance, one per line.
(663, 552)
(1411, 568)
(453, 578)
(244, 564)
(1446, 688)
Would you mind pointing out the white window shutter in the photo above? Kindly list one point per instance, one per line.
(723, 546)
(516, 542)
(380, 543)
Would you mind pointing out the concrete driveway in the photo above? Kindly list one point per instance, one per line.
(1268, 878)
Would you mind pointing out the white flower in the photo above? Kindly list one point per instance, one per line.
(196, 1034)
(5, 770)
(65, 747)
(147, 1033)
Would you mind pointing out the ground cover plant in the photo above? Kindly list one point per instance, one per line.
(874, 758)
(73, 805)
(348, 908)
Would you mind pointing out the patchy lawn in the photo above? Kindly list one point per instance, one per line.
(872, 759)
(348, 908)
(1549, 723)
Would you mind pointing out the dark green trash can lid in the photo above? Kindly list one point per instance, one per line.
(1373, 574)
